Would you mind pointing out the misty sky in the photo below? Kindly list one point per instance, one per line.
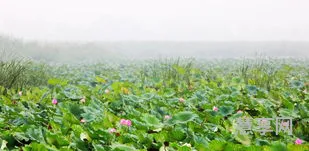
(176, 20)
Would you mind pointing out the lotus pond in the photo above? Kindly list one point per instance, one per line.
(166, 105)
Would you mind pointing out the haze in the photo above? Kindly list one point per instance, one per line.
(157, 20)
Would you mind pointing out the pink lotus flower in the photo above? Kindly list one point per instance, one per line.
(55, 101)
(298, 141)
(112, 130)
(129, 123)
(20, 93)
(181, 100)
(82, 120)
(215, 109)
(239, 111)
(125, 122)
(166, 117)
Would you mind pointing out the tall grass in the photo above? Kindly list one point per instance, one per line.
(11, 70)
(168, 71)
(260, 71)
(18, 72)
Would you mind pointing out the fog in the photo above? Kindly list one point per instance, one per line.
(176, 20)
(201, 27)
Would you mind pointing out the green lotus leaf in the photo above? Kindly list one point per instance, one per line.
(55, 81)
(183, 117)
(226, 110)
(152, 121)
(122, 147)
